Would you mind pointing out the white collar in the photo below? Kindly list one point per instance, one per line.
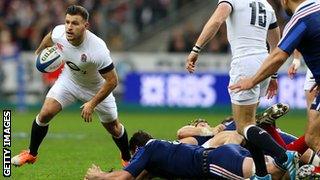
(304, 4)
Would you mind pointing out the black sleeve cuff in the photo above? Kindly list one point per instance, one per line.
(228, 3)
(106, 69)
(273, 25)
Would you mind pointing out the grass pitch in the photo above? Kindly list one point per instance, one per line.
(72, 145)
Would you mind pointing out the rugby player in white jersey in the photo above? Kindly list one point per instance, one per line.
(250, 23)
(88, 75)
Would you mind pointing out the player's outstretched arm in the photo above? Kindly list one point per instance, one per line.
(208, 32)
(212, 26)
(95, 173)
(273, 38)
(46, 42)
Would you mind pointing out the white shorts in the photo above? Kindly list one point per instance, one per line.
(247, 67)
(65, 91)
(309, 82)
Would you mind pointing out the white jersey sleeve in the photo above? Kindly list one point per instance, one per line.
(102, 58)
(273, 22)
(231, 2)
(57, 33)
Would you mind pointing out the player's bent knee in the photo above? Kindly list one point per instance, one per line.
(45, 117)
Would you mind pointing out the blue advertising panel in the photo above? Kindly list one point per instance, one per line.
(199, 90)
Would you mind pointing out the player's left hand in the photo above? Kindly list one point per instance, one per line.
(87, 111)
(272, 88)
(217, 129)
(191, 62)
(93, 172)
(242, 84)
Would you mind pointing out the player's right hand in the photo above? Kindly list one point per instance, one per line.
(191, 61)
(292, 70)
(94, 172)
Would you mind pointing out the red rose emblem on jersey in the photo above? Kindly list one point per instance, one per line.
(60, 46)
(83, 58)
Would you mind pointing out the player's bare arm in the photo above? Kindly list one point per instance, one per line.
(209, 31)
(269, 67)
(108, 86)
(143, 175)
(95, 173)
(273, 37)
(189, 131)
(46, 42)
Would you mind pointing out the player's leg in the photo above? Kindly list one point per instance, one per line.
(272, 113)
(244, 117)
(260, 140)
(57, 98)
(308, 84)
(108, 115)
(120, 137)
(310, 157)
(39, 130)
(312, 135)
(244, 105)
(41, 124)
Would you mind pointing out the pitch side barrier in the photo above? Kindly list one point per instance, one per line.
(157, 80)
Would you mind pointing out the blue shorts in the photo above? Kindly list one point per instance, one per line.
(287, 138)
(202, 139)
(227, 161)
(230, 126)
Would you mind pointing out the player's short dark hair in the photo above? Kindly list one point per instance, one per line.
(139, 139)
(78, 10)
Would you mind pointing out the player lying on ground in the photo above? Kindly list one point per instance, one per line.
(178, 160)
(199, 132)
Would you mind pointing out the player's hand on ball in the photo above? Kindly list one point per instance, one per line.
(191, 62)
(242, 84)
(87, 111)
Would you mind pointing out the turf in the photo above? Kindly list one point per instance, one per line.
(72, 145)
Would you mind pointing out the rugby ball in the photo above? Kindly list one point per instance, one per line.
(48, 60)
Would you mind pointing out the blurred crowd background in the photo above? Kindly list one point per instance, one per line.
(121, 23)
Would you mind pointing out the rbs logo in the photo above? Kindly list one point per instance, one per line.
(177, 90)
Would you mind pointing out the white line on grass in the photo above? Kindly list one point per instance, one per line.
(24, 135)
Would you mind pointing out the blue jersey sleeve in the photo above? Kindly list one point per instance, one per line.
(138, 162)
(292, 36)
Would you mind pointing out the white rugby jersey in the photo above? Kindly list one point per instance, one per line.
(247, 26)
(83, 63)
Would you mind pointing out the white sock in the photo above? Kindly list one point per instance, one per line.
(40, 123)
